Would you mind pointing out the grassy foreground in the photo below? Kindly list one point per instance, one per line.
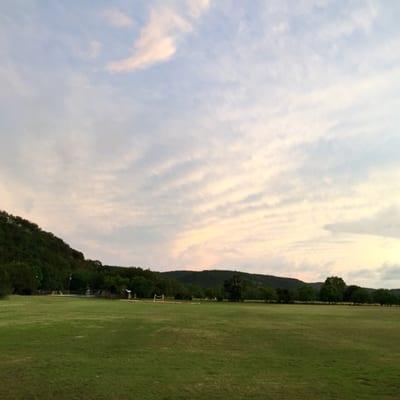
(69, 348)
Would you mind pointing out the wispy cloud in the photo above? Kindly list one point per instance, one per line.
(198, 7)
(159, 38)
(94, 48)
(351, 20)
(385, 223)
(386, 275)
(117, 18)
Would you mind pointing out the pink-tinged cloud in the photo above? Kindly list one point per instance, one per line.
(159, 38)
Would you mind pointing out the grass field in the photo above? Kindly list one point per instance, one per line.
(70, 348)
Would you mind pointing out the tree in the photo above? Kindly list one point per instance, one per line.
(234, 288)
(384, 297)
(348, 293)
(25, 279)
(360, 296)
(196, 291)
(285, 295)
(115, 284)
(5, 286)
(253, 292)
(210, 293)
(183, 294)
(219, 294)
(306, 293)
(141, 286)
(269, 294)
(81, 280)
(52, 278)
(333, 289)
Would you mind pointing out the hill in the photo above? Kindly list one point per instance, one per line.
(22, 240)
(216, 278)
(33, 260)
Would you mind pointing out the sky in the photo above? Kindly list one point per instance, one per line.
(261, 136)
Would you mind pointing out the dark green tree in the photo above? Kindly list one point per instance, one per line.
(210, 293)
(285, 295)
(142, 286)
(81, 279)
(360, 296)
(306, 293)
(253, 292)
(115, 284)
(183, 294)
(25, 279)
(333, 289)
(384, 297)
(196, 291)
(269, 294)
(234, 288)
(348, 293)
(52, 278)
(5, 285)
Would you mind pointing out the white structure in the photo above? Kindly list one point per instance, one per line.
(158, 298)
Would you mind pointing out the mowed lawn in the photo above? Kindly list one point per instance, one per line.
(70, 348)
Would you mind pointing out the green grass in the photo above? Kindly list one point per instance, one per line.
(70, 348)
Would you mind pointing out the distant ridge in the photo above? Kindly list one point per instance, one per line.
(215, 278)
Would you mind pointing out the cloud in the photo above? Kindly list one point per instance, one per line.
(198, 7)
(94, 49)
(352, 21)
(385, 223)
(390, 273)
(116, 18)
(159, 38)
(386, 275)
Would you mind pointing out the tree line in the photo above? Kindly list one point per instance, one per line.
(333, 290)
(93, 278)
(107, 281)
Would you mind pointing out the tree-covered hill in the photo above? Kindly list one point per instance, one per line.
(24, 241)
(33, 260)
(216, 278)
